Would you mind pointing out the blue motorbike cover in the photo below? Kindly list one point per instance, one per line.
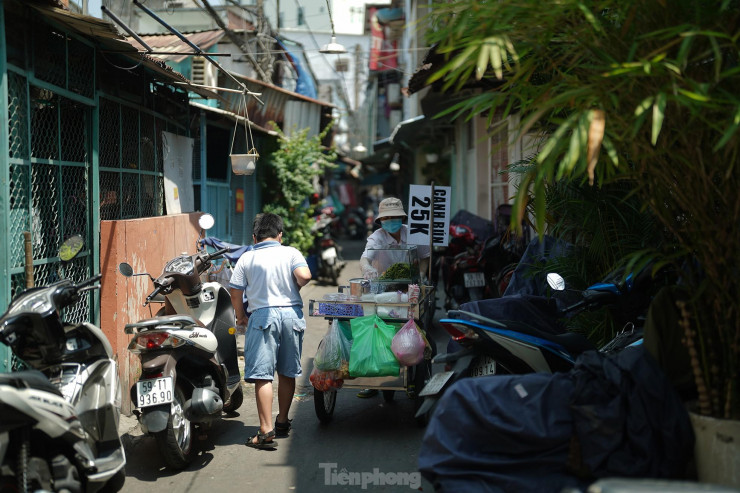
(235, 251)
(500, 434)
(539, 312)
(612, 415)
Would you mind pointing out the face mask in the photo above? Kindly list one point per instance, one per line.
(392, 225)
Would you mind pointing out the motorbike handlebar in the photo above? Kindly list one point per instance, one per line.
(88, 282)
(152, 295)
(217, 253)
(159, 287)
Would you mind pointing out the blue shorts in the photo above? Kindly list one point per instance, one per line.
(273, 342)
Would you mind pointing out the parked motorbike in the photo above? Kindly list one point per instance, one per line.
(462, 277)
(326, 253)
(59, 425)
(189, 369)
(526, 335)
(354, 223)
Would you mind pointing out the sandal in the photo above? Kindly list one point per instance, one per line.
(262, 440)
(282, 429)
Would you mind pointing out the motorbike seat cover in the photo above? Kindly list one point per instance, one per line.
(184, 321)
(33, 379)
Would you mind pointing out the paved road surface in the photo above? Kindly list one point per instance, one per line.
(366, 437)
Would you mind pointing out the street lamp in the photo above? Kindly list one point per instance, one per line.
(332, 47)
(394, 166)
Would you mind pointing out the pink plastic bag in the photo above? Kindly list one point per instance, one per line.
(408, 344)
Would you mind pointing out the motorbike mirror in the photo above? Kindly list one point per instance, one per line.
(70, 248)
(125, 269)
(206, 221)
(556, 281)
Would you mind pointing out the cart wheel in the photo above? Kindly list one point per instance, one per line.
(388, 395)
(422, 374)
(324, 403)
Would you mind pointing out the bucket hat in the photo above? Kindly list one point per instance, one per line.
(390, 207)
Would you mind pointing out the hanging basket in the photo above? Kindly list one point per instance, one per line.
(244, 164)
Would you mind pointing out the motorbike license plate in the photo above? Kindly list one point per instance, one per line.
(330, 252)
(474, 279)
(154, 392)
(435, 384)
(482, 366)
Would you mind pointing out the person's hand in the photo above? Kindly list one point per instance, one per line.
(241, 329)
(370, 273)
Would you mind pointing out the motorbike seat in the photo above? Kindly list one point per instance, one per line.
(33, 379)
(183, 321)
(572, 342)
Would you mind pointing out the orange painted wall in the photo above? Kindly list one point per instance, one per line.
(146, 244)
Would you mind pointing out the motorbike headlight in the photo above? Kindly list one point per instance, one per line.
(38, 302)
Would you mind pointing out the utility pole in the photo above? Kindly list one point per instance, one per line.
(358, 72)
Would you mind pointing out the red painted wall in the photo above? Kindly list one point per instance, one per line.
(146, 244)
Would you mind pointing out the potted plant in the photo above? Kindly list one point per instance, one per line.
(646, 92)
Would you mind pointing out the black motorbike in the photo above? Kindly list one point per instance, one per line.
(525, 334)
(325, 256)
(59, 419)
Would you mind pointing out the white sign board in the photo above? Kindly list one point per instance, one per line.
(429, 215)
(178, 174)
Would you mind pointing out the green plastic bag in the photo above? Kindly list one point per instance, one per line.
(371, 354)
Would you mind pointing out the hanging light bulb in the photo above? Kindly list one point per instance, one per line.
(332, 47)
(395, 165)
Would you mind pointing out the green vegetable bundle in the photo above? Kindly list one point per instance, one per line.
(399, 270)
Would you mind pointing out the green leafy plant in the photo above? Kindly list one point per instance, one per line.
(288, 182)
(648, 92)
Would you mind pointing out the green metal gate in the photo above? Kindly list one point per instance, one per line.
(74, 156)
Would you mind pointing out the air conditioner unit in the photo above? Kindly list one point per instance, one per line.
(173, 4)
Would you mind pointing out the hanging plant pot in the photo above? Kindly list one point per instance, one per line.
(244, 164)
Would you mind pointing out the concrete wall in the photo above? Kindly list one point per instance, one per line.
(146, 244)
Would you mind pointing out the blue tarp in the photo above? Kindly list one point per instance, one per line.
(612, 415)
(305, 84)
(235, 251)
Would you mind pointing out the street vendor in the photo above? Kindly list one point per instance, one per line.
(392, 232)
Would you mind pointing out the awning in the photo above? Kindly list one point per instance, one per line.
(172, 43)
(408, 131)
(108, 37)
(405, 135)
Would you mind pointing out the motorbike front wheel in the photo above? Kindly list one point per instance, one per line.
(176, 441)
(324, 403)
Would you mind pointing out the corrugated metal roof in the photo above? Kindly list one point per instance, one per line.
(275, 99)
(107, 35)
(170, 42)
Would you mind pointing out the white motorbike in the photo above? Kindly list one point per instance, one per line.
(189, 367)
(59, 420)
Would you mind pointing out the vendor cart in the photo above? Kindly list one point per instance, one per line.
(411, 379)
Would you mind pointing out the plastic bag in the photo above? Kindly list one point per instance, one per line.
(326, 380)
(371, 354)
(408, 344)
(333, 349)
